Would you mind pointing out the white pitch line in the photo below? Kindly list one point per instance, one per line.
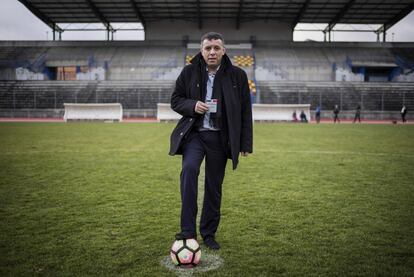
(208, 262)
(323, 152)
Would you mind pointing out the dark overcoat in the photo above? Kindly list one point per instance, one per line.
(190, 88)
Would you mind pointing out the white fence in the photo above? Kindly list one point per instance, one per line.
(261, 112)
(279, 112)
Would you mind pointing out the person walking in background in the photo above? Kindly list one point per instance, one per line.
(336, 114)
(318, 114)
(358, 114)
(213, 98)
(403, 113)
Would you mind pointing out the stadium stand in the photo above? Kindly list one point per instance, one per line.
(119, 62)
(377, 100)
(38, 77)
(139, 77)
(46, 98)
(318, 62)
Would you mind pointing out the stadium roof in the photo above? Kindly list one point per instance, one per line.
(331, 12)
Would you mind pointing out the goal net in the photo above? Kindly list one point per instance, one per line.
(107, 111)
(165, 113)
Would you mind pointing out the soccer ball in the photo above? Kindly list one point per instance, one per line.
(185, 252)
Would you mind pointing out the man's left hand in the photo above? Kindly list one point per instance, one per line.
(244, 154)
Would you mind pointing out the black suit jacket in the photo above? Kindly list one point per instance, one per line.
(237, 111)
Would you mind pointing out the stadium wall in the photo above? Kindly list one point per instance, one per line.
(271, 31)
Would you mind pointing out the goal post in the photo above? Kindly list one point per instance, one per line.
(96, 111)
(165, 113)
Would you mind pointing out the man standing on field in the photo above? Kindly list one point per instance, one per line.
(336, 113)
(213, 97)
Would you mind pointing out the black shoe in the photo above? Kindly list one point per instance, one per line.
(211, 243)
(181, 236)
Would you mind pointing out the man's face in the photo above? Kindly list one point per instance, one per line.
(213, 51)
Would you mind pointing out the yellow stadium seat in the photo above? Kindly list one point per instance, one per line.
(252, 87)
(243, 60)
(188, 58)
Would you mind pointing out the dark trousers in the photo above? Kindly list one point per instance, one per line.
(198, 145)
(357, 117)
(336, 118)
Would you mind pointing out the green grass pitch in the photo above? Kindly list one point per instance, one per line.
(103, 200)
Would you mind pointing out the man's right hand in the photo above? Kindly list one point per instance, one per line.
(201, 107)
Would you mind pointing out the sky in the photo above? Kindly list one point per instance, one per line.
(18, 23)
